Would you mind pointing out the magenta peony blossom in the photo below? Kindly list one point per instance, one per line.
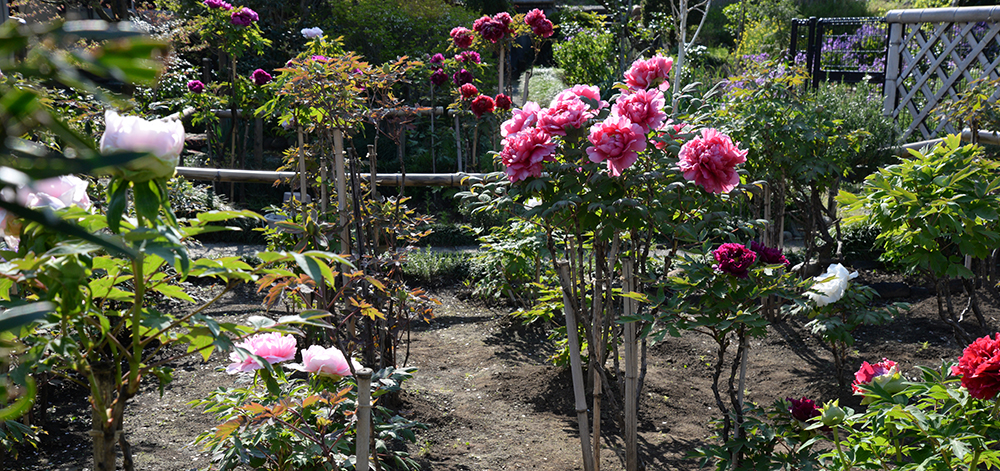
(769, 255)
(260, 77)
(711, 160)
(576, 92)
(468, 56)
(523, 118)
(564, 115)
(483, 104)
(534, 17)
(320, 58)
(437, 59)
(644, 107)
(503, 102)
(617, 141)
(243, 17)
(326, 362)
(802, 409)
(272, 346)
(218, 4)
(979, 368)
(462, 77)
(439, 77)
(494, 29)
(462, 37)
(196, 86)
(544, 29)
(645, 74)
(734, 259)
(540, 25)
(524, 153)
(468, 91)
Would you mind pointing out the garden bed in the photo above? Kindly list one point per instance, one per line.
(491, 399)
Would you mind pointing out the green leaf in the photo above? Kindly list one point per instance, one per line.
(22, 315)
(117, 203)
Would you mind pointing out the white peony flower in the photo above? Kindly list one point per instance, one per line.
(164, 139)
(310, 33)
(830, 286)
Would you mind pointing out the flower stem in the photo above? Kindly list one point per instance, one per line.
(975, 459)
(840, 450)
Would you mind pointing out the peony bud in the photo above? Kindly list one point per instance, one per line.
(832, 414)
(163, 139)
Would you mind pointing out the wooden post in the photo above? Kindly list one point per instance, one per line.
(572, 333)
(500, 66)
(433, 119)
(458, 146)
(890, 88)
(324, 196)
(302, 166)
(338, 168)
(258, 142)
(372, 168)
(631, 372)
(364, 411)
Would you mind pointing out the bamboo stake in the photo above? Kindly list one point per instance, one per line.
(572, 333)
(338, 163)
(458, 146)
(324, 197)
(302, 166)
(500, 66)
(433, 119)
(631, 372)
(364, 376)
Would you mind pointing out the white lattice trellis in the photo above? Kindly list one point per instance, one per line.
(933, 54)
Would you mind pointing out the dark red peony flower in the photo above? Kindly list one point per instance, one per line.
(802, 409)
(503, 102)
(769, 255)
(439, 77)
(482, 105)
(468, 91)
(979, 367)
(734, 259)
(462, 77)
(462, 37)
(534, 17)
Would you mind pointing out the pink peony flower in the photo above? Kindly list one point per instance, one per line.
(645, 74)
(164, 139)
(540, 25)
(439, 77)
(522, 118)
(468, 91)
(469, 56)
(271, 346)
(644, 107)
(326, 362)
(711, 160)
(503, 102)
(462, 37)
(243, 17)
(311, 33)
(534, 17)
(884, 373)
(55, 193)
(318, 58)
(979, 368)
(483, 104)
(462, 77)
(617, 141)
(196, 86)
(734, 259)
(576, 92)
(524, 153)
(544, 29)
(557, 119)
(260, 77)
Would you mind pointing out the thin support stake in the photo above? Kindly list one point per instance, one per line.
(631, 373)
(364, 412)
(572, 332)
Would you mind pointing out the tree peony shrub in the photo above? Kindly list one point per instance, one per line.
(830, 286)
(979, 367)
(710, 160)
(163, 139)
(271, 346)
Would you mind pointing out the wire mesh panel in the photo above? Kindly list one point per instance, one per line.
(840, 49)
(934, 54)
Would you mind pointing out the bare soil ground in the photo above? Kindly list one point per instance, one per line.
(493, 402)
